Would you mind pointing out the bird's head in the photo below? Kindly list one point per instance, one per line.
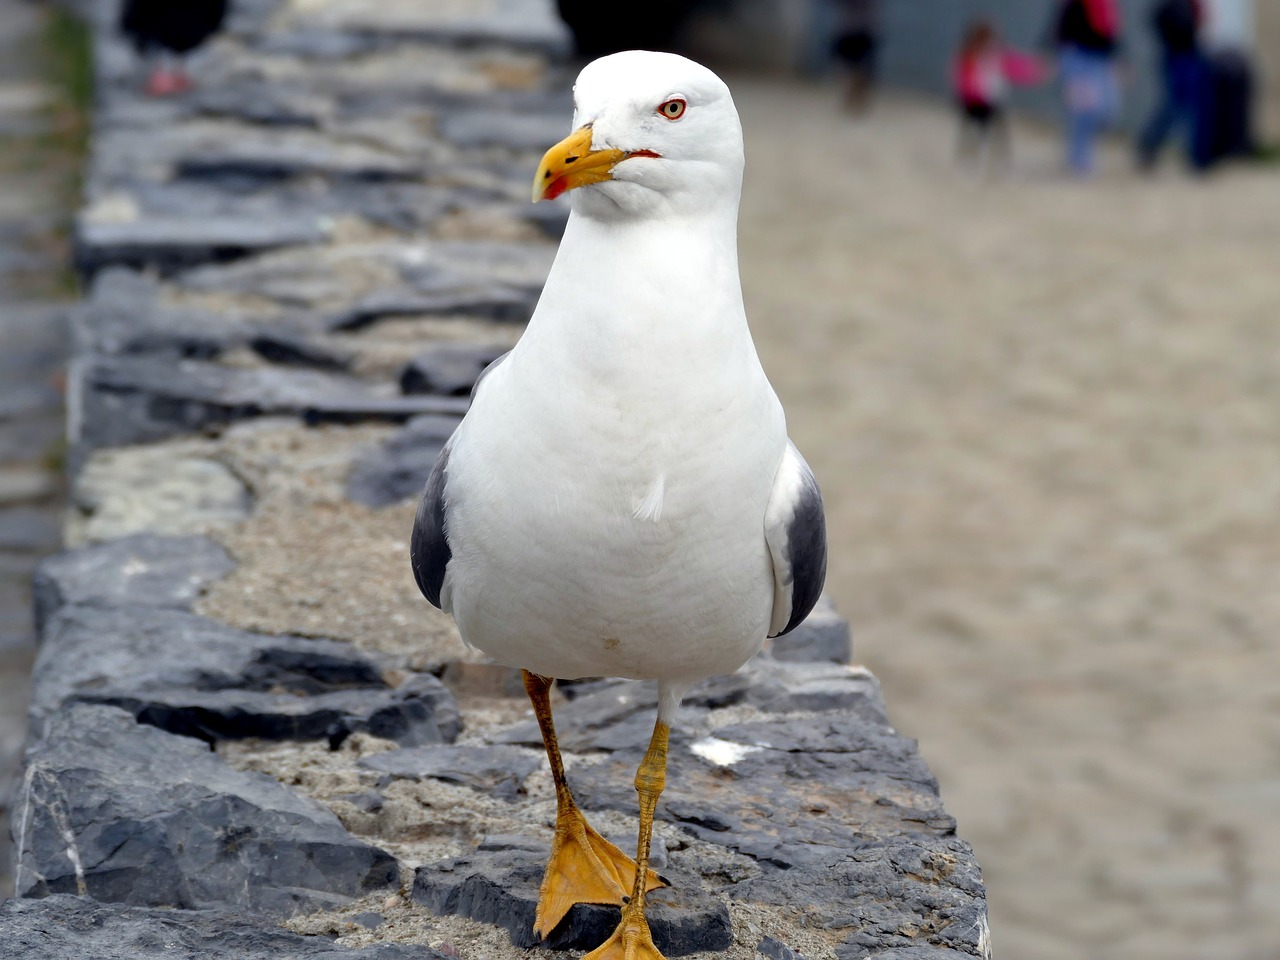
(654, 134)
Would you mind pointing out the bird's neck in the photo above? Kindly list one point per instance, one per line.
(660, 285)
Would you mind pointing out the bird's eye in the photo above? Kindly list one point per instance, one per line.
(673, 109)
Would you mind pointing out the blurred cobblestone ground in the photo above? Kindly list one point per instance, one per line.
(32, 350)
(1046, 419)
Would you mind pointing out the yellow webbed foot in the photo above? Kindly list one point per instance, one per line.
(631, 941)
(584, 868)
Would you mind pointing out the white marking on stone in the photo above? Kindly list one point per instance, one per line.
(651, 506)
(135, 566)
(22, 827)
(723, 753)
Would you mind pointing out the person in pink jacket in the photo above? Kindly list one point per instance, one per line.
(983, 72)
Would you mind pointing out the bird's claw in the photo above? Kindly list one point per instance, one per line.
(584, 868)
(630, 941)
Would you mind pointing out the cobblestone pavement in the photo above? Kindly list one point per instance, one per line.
(1045, 416)
(32, 348)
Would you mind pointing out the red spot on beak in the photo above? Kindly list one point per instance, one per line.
(558, 186)
(645, 153)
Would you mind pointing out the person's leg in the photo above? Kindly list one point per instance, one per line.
(1080, 96)
(1082, 130)
(1187, 89)
(1168, 113)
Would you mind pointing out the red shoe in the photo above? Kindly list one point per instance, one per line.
(168, 83)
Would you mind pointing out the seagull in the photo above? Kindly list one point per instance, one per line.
(621, 498)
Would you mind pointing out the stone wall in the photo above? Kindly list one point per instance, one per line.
(241, 707)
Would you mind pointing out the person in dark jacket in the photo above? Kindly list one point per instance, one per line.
(1087, 37)
(1177, 26)
(856, 46)
(171, 30)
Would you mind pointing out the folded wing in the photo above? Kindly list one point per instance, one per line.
(796, 531)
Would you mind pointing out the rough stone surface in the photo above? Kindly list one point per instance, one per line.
(498, 771)
(130, 814)
(398, 469)
(774, 950)
(823, 636)
(130, 401)
(170, 490)
(501, 887)
(199, 678)
(142, 570)
(171, 243)
(450, 370)
(67, 927)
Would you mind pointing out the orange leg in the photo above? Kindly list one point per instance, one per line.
(584, 867)
(632, 939)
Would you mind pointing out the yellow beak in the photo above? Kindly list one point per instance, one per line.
(572, 163)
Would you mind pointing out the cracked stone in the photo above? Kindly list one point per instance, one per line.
(130, 814)
(193, 676)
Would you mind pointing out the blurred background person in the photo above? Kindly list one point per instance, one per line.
(982, 73)
(857, 41)
(1086, 35)
(1177, 25)
(1225, 122)
(167, 31)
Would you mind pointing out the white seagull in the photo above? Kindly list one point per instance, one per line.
(622, 499)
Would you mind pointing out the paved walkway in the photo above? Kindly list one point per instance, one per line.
(1046, 419)
(32, 348)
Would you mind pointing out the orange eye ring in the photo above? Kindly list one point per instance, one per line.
(672, 109)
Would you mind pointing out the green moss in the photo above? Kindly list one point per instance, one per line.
(62, 149)
(69, 60)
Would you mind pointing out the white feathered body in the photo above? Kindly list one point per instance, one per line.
(646, 439)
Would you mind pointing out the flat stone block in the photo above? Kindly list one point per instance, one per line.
(77, 928)
(129, 814)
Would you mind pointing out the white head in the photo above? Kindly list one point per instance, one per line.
(655, 135)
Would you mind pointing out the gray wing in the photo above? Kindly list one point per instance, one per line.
(429, 547)
(796, 531)
(429, 550)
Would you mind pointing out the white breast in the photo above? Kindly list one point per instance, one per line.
(592, 540)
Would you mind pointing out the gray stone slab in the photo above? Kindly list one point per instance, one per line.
(515, 24)
(397, 469)
(776, 950)
(138, 400)
(172, 244)
(29, 530)
(449, 369)
(130, 814)
(822, 636)
(200, 678)
(503, 128)
(65, 927)
(292, 153)
(497, 771)
(144, 570)
(32, 438)
(123, 315)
